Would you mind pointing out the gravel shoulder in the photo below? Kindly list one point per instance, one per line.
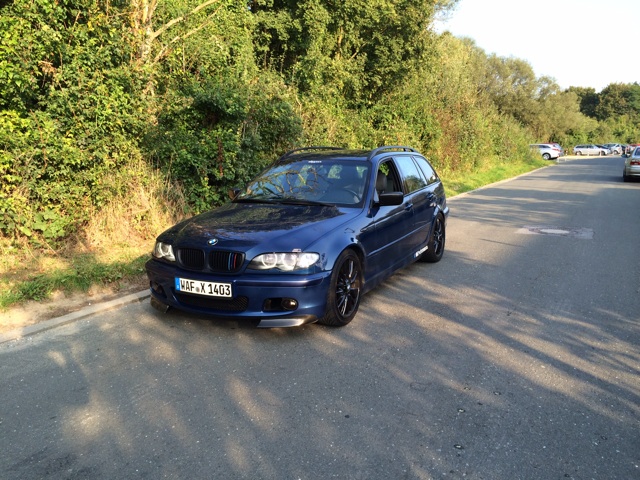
(60, 304)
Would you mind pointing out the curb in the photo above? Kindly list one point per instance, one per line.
(73, 316)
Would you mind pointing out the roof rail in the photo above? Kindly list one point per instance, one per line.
(390, 148)
(297, 150)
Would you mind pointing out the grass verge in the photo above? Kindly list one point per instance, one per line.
(28, 275)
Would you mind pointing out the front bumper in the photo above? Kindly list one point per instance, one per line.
(274, 300)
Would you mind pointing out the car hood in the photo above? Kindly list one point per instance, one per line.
(242, 226)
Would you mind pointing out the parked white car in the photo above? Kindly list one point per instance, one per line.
(547, 151)
(590, 149)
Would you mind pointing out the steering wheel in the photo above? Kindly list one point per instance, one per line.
(355, 195)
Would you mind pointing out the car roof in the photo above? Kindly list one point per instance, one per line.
(338, 153)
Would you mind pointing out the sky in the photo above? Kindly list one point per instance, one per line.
(579, 43)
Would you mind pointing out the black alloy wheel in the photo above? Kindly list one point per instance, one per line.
(435, 249)
(345, 290)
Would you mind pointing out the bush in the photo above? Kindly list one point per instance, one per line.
(215, 135)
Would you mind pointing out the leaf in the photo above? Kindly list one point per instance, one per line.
(25, 231)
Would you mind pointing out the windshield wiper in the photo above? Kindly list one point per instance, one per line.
(302, 201)
(283, 201)
(256, 200)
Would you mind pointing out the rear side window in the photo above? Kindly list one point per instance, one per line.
(413, 178)
(427, 169)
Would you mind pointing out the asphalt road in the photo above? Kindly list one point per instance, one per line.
(515, 357)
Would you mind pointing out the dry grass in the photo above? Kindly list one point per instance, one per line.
(108, 252)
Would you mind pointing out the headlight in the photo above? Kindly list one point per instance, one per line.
(164, 251)
(286, 261)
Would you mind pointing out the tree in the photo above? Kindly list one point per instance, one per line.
(588, 99)
(355, 49)
(619, 99)
(513, 87)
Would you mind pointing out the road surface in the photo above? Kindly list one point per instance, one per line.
(515, 357)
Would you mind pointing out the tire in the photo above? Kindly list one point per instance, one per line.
(345, 290)
(579, 152)
(546, 156)
(436, 243)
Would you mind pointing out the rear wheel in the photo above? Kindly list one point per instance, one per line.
(345, 290)
(546, 156)
(436, 243)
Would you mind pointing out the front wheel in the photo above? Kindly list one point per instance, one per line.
(435, 246)
(546, 156)
(344, 291)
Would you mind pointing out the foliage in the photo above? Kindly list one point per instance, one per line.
(588, 99)
(214, 135)
(71, 113)
(354, 50)
(99, 98)
(618, 99)
(616, 108)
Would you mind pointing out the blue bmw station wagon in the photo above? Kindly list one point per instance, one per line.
(305, 239)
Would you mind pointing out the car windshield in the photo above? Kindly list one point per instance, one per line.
(332, 182)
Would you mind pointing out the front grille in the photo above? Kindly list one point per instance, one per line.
(220, 261)
(238, 304)
(191, 258)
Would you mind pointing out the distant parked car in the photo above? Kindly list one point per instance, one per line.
(590, 149)
(632, 166)
(547, 151)
(615, 148)
(607, 150)
(557, 147)
(628, 149)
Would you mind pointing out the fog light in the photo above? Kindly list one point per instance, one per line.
(156, 287)
(289, 303)
(280, 304)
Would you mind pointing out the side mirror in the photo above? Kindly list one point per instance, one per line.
(391, 198)
(233, 193)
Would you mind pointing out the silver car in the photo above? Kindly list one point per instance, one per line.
(590, 149)
(632, 166)
(615, 148)
(547, 151)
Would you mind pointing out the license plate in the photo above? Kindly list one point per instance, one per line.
(207, 289)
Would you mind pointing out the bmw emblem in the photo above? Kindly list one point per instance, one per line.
(213, 241)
